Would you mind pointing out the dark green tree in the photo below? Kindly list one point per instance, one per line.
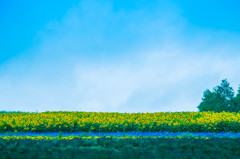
(220, 99)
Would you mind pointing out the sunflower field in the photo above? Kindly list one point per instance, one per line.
(119, 135)
(120, 122)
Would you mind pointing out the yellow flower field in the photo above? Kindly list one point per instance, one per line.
(113, 122)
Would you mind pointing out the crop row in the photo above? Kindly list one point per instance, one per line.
(123, 122)
(90, 137)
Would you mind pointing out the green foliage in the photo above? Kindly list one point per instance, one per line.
(220, 99)
(175, 148)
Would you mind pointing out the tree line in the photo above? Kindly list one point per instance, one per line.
(222, 98)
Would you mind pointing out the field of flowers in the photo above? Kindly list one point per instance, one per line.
(120, 122)
(120, 135)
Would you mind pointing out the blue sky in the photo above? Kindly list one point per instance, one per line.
(116, 56)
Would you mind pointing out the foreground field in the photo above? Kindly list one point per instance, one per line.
(108, 147)
(122, 122)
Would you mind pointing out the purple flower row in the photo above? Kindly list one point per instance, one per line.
(121, 134)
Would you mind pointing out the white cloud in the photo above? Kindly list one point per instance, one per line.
(160, 82)
(147, 65)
